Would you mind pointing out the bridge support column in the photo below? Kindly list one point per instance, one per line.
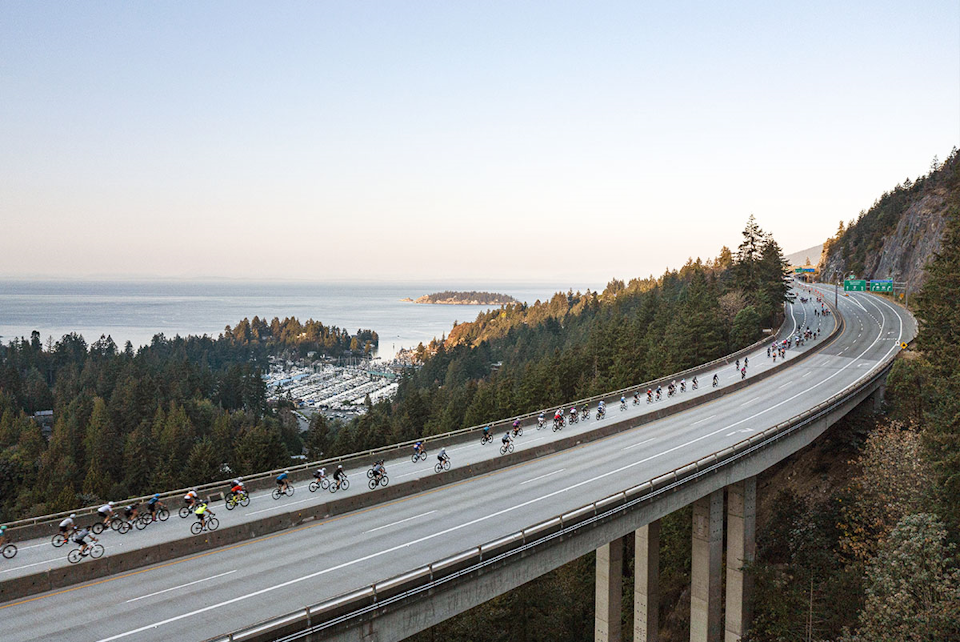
(609, 592)
(741, 550)
(646, 585)
(877, 397)
(705, 578)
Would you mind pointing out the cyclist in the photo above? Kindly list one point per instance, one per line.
(573, 414)
(320, 474)
(585, 411)
(486, 429)
(190, 499)
(506, 438)
(237, 487)
(716, 380)
(378, 469)
(540, 421)
(738, 364)
(339, 475)
(746, 360)
(106, 512)
(743, 372)
(443, 456)
(601, 409)
(67, 526)
(623, 402)
(683, 385)
(202, 512)
(131, 512)
(659, 392)
(3, 535)
(516, 427)
(282, 482)
(694, 383)
(418, 448)
(80, 538)
(153, 505)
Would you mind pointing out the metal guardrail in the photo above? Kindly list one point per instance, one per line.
(217, 485)
(365, 600)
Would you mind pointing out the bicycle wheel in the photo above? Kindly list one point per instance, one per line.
(74, 556)
(184, 512)
(370, 474)
(314, 486)
(9, 551)
(503, 449)
(372, 483)
(97, 528)
(163, 514)
(384, 480)
(124, 528)
(438, 468)
(414, 457)
(446, 464)
(510, 447)
(245, 500)
(520, 431)
(142, 522)
(196, 527)
(290, 490)
(115, 523)
(324, 483)
(96, 551)
(58, 540)
(230, 503)
(276, 493)
(345, 484)
(213, 523)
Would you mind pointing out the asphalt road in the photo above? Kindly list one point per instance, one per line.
(201, 596)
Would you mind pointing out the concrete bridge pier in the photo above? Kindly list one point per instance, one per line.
(705, 579)
(646, 585)
(741, 551)
(607, 627)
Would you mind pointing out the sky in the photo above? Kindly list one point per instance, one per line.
(457, 140)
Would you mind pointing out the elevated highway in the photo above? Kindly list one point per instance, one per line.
(234, 587)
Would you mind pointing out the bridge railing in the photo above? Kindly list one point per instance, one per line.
(335, 611)
(218, 486)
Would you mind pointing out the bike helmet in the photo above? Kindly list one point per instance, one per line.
(110, 504)
(156, 496)
(72, 515)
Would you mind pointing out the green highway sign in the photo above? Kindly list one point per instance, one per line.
(881, 286)
(855, 285)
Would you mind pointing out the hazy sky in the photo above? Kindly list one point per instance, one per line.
(500, 140)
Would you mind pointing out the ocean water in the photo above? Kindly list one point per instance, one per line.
(136, 311)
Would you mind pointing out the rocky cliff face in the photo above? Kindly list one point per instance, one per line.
(900, 233)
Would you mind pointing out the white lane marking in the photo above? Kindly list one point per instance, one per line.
(789, 383)
(750, 400)
(378, 528)
(543, 476)
(416, 472)
(206, 579)
(703, 420)
(530, 441)
(806, 375)
(23, 548)
(26, 566)
(264, 510)
(640, 444)
(504, 511)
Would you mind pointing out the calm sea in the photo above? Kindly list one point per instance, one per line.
(135, 311)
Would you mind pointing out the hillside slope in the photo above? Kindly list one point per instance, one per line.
(897, 236)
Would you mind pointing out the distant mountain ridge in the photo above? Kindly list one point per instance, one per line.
(900, 233)
(800, 258)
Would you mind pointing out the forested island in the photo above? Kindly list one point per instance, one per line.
(465, 298)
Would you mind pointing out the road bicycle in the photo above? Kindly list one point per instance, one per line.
(186, 511)
(343, 484)
(574, 418)
(506, 448)
(60, 539)
(280, 491)
(114, 523)
(318, 483)
(442, 466)
(518, 431)
(93, 550)
(623, 406)
(373, 482)
(601, 414)
(485, 439)
(208, 524)
(418, 455)
(237, 499)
